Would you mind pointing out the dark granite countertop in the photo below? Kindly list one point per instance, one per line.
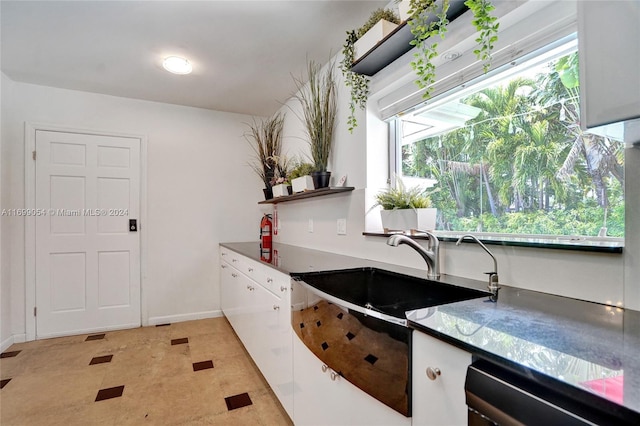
(588, 348)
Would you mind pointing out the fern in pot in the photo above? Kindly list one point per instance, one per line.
(318, 99)
(406, 208)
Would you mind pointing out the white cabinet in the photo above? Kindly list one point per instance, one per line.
(609, 52)
(324, 398)
(255, 300)
(438, 400)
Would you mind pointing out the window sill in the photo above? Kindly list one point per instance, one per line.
(601, 245)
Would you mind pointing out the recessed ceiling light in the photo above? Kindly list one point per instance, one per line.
(177, 65)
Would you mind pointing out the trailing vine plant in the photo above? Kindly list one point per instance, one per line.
(487, 28)
(357, 83)
(424, 31)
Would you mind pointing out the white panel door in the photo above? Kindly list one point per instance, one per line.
(87, 258)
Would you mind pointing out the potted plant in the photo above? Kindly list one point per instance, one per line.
(280, 183)
(265, 138)
(318, 98)
(406, 209)
(300, 177)
(358, 42)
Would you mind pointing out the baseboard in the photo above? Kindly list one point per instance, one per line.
(15, 338)
(168, 319)
(5, 344)
(88, 331)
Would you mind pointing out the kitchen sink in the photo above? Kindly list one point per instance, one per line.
(384, 291)
(354, 321)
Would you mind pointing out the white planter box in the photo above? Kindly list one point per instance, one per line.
(372, 37)
(303, 183)
(408, 219)
(403, 10)
(280, 190)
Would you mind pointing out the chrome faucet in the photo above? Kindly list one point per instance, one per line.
(493, 276)
(431, 255)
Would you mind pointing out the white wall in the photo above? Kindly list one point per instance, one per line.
(200, 191)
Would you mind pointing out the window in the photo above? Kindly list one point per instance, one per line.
(507, 155)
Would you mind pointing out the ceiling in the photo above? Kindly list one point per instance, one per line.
(243, 52)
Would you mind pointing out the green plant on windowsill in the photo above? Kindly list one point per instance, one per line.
(359, 83)
(401, 197)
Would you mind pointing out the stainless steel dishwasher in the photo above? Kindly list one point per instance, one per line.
(497, 395)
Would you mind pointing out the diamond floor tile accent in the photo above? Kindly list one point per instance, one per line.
(180, 341)
(95, 337)
(114, 392)
(100, 359)
(9, 354)
(238, 401)
(163, 325)
(4, 382)
(202, 365)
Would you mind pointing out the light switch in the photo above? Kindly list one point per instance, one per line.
(310, 225)
(342, 227)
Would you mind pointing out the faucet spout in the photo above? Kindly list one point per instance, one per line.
(493, 276)
(431, 254)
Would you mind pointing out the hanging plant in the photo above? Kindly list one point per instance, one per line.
(357, 83)
(487, 28)
(425, 31)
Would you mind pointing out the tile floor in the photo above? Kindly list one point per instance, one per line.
(188, 373)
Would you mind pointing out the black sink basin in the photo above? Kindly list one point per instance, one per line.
(387, 292)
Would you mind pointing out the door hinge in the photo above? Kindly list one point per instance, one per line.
(33, 155)
(35, 311)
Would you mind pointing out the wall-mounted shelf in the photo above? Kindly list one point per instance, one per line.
(396, 44)
(309, 194)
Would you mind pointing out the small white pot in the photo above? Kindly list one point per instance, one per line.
(303, 183)
(369, 40)
(280, 190)
(408, 219)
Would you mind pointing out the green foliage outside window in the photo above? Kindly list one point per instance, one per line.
(523, 165)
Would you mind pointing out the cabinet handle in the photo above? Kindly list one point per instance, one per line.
(223, 254)
(250, 288)
(234, 275)
(223, 266)
(269, 280)
(325, 367)
(433, 373)
(283, 288)
(250, 269)
(334, 376)
(276, 307)
(234, 260)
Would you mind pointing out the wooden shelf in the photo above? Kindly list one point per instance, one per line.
(396, 44)
(309, 194)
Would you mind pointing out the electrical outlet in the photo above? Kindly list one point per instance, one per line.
(310, 225)
(342, 227)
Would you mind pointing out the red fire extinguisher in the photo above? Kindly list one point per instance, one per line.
(266, 227)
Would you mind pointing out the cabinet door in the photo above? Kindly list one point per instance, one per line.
(324, 398)
(608, 34)
(229, 294)
(438, 401)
